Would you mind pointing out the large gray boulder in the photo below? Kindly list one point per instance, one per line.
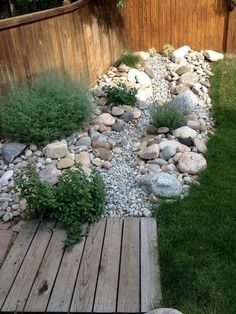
(162, 185)
(12, 150)
(185, 102)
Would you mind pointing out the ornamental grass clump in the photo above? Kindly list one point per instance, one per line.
(45, 108)
(130, 59)
(120, 94)
(165, 116)
(76, 201)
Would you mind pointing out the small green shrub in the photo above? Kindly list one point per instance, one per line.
(167, 117)
(168, 50)
(48, 107)
(130, 59)
(120, 94)
(152, 51)
(75, 202)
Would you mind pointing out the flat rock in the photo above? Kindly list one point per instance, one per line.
(163, 130)
(185, 102)
(95, 135)
(189, 78)
(56, 150)
(167, 152)
(97, 144)
(151, 152)
(180, 89)
(158, 161)
(212, 55)
(172, 143)
(127, 116)
(192, 163)
(162, 185)
(12, 150)
(184, 132)
(118, 126)
(66, 162)
(117, 111)
(6, 176)
(149, 72)
(181, 69)
(84, 141)
(50, 174)
(106, 119)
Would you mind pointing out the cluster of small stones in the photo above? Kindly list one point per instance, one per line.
(138, 162)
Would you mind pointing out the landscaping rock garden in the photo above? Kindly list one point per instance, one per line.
(139, 162)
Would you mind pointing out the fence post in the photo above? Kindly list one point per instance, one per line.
(231, 34)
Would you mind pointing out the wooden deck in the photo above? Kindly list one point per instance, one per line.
(113, 270)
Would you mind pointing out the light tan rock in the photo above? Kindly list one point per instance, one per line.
(84, 159)
(192, 163)
(151, 152)
(66, 162)
(200, 145)
(106, 119)
(56, 150)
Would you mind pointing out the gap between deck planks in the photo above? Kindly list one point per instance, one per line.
(114, 270)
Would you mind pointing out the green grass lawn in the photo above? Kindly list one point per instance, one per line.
(197, 236)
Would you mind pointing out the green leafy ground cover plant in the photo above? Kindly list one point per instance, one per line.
(76, 201)
(165, 116)
(120, 94)
(197, 236)
(42, 109)
(130, 59)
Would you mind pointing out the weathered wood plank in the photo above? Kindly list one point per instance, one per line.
(15, 257)
(64, 285)
(87, 278)
(106, 293)
(43, 284)
(150, 274)
(129, 284)
(20, 290)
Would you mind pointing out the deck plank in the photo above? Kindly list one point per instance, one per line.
(106, 294)
(15, 257)
(129, 285)
(83, 298)
(43, 284)
(150, 274)
(22, 285)
(63, 289)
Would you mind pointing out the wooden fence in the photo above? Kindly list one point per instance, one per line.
(89, 35)
(84, 38)
(202, 24)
